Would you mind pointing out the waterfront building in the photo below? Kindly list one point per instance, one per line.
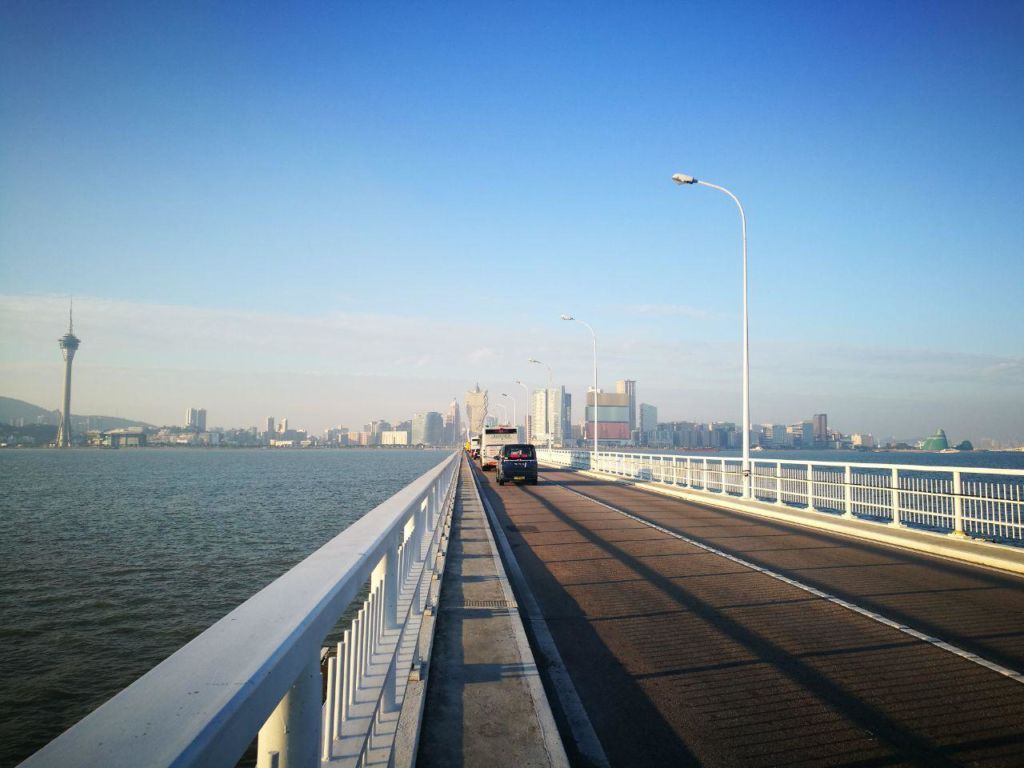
(820, 421)
(775, 436)
(393, 437)
(612, 416)
(476, 409)
(452, 424)
(801, 435)
(628, 387)
(427, 428)
(270, 426)
(550, 416)
(68, 346)
(648, 423)
(195, 419)
(936, 442)
(336, 436)
(862, 441)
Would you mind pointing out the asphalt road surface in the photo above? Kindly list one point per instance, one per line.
(682, 656)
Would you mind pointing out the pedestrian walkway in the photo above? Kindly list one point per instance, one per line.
(485, 702)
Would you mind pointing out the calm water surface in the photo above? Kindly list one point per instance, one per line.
(112, 560)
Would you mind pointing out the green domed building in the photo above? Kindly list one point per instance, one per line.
(936, 442)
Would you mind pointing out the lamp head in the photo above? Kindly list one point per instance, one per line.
(682, 178)
(568, 317)
(533, 360)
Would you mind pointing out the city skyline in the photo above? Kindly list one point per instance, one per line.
(99, 382)
(326, 226)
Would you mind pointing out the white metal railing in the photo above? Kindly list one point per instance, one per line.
(978, 502)
(257, 670)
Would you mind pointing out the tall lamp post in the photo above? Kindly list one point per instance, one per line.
(504, 410)
(682, 178)
(526, 392)
(594, 336)
(515, 418)
(547, 394)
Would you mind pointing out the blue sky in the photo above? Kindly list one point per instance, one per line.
(338, 168)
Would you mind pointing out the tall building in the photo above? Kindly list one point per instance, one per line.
(68, 346)
(820, 422)
(427, 428)
(476, 409)
(195, 419)
(628, 387)
(270, 425)
(648, 423)
(550, 416)
(452, 424)
(612, 417)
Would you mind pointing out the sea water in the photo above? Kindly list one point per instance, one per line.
(111, 560)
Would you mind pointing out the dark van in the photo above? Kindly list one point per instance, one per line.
(517, 462)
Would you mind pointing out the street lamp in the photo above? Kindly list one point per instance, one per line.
(547, 394)
(681, 178)
(503, 410)
(515, 419)
(594, 335)
(526, 411)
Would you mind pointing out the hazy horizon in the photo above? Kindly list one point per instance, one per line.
(152, 362)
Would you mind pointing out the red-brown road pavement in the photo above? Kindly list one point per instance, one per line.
(683, 657)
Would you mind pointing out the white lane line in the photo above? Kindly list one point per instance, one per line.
(972, 657)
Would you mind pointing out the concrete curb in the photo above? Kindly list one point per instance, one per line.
(972, 551)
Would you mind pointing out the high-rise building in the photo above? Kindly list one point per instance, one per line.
(648, 422)
(427, 428)
(628, 387)
(452, 425)
(195, 419)
(550, 416)
(612, 417)
(270, 425)
(68, 346)
(476, 409)
(820, 422)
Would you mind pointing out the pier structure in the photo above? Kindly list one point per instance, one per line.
(68, 346)
(630, 609)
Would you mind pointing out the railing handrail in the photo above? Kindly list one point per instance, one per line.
(804, 462)
(204, 704)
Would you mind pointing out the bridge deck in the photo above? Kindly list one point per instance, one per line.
(683, 656)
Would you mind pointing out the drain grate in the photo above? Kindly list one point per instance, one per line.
(488, 604)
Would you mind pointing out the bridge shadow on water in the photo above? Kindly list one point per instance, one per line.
(670, 674)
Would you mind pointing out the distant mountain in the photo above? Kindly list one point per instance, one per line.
(12, 410)
(19, 412)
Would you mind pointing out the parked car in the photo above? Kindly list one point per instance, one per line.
(517, 462)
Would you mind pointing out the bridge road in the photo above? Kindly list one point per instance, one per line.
(683, 657)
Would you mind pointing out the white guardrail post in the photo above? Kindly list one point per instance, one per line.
(289, 738)
(894, 485)
(958, 505)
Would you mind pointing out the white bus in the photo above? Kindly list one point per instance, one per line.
(490, 444)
